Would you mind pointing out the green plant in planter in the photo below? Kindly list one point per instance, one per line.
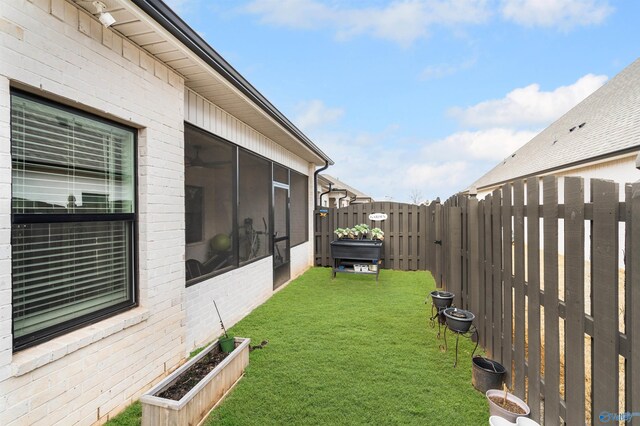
(377, 234)
(342, 232)
(361, 230)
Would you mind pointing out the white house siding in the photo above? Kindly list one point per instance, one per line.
(51, 48)
(206, 115)
(620, 169)
(240, 291)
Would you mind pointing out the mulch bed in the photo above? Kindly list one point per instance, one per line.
(507, 405)
(193, 375)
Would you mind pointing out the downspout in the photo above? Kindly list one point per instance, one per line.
(341, 198)
(325, 192)
(315, 182)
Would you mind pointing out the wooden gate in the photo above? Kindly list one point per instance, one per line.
(407, 244)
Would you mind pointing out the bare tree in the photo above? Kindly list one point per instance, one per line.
(416, 196)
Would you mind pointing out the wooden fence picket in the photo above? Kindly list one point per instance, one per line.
(551, 313)
(604, 279)
(533, 296)
(519, 290)
(574, 300)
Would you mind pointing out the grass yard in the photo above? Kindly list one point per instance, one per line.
(351, 351)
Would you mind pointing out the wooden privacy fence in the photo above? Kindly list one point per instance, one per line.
(405, 239)
(543, 281)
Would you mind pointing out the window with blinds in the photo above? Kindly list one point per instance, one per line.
(73, 218)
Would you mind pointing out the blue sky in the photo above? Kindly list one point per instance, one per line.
(419, 98)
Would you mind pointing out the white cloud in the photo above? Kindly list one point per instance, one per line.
(439, 175)
(563, 14)
(528, 106)
(314, 113)
(402, 21)
(485, 145)
(433, 72)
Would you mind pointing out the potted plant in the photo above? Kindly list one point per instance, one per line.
(361, 231)
(377, 234)
(506, 405)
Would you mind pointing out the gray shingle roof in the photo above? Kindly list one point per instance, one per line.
(339, 184)
(605, 124)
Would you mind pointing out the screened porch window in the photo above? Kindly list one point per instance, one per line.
(73, 218)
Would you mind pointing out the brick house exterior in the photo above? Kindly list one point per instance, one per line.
(58, 53)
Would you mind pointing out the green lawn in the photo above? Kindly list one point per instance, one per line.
(351, 351)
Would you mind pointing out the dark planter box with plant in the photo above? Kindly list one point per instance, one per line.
(354, 253)
(356, 249)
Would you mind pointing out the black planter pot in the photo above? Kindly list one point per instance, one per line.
(442, 299)
(356, 249)
(486, 374)
(458, 320)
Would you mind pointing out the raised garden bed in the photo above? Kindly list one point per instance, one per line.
(195, 398)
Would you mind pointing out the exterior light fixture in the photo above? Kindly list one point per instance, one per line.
(104, 17)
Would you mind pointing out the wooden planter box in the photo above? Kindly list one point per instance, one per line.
(204, 396)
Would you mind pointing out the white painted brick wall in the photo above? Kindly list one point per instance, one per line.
(86, 376)
(82, 377)
(236, 293)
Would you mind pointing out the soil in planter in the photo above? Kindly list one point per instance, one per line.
(510, 406)
(193, 375)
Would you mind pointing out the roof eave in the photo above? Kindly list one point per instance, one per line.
(171, 22)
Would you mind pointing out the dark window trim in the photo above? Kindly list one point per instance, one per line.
(49, 333)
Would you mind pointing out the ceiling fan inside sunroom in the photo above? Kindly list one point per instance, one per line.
(196, 161)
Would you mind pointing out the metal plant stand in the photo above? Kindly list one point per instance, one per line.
(469, 334)
(439, 315)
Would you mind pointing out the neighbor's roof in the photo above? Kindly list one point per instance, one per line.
(605, 124)
(338, 184)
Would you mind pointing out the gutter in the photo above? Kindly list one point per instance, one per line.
(315, 183)
(178, 28)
